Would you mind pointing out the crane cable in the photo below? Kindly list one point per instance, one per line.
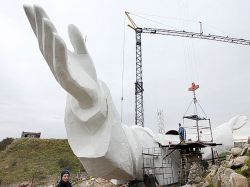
(186, 48)
(190, 48)
(190, 52)
(192, 63)
(123, 65)
(153, 20)
(190, 60)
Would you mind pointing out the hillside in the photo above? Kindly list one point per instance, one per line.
(40, 160)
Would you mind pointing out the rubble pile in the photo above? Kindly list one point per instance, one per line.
(195, 174)
(232, 172)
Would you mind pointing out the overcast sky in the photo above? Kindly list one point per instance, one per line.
(31, 99)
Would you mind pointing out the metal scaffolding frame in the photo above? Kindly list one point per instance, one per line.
(164, 171)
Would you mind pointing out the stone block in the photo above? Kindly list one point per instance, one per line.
(235, 151)
(228, 172)
(237, 180)
(241, 159)
(225, 181)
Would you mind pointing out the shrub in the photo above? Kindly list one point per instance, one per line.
(65, 164)
(5, 142)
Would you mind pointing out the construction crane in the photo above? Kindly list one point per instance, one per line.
(139, 111)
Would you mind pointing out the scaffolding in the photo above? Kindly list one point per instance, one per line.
(197, 125)
(160, 159)
(160, 166)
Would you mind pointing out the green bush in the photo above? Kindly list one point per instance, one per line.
(5, 142)
(224, 155)
(65, 164)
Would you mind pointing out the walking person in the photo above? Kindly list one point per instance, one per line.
(150, 180)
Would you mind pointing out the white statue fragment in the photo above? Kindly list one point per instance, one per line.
(105, 147)
(223, 134)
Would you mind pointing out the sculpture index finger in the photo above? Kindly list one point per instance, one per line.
(78, 91)
(39, 15)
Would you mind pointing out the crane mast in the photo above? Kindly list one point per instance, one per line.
(139, 110)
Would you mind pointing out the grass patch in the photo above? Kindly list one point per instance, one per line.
(40, 160)
(211, 185)
(248, 161)
(223, 155)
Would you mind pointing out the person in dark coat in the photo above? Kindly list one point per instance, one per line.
(64, 181)
(150, 179)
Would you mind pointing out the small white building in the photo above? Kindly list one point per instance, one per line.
(31, 134)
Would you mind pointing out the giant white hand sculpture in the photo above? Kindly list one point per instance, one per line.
(104, 146)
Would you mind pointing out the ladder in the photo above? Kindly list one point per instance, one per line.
(183, 170)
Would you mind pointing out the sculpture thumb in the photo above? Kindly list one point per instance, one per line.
(238, 121)
(76, 40)
(29, 11)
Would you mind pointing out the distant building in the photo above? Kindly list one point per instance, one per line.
(240, 142)
(31, 135)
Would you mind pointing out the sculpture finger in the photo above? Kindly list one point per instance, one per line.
(79, 92)
(49, 29)
(76, 40)
(81, 49)
(29, 11)
(239, 122)
(60, 58)
(40, 14)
